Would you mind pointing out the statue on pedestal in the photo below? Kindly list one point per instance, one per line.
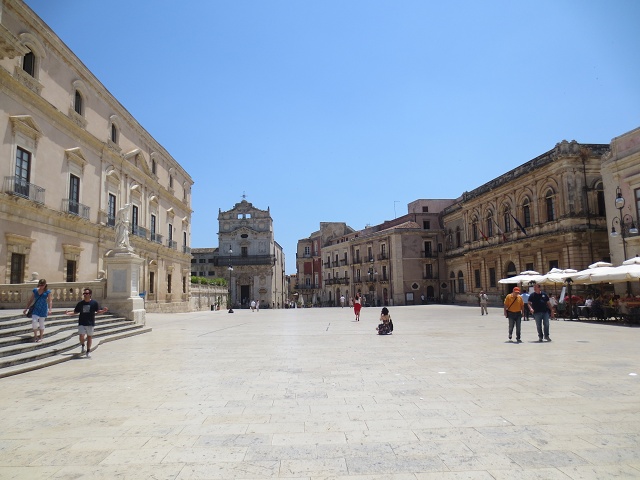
(122, 228)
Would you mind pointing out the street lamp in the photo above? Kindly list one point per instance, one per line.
(626, 224)
(230, 282)
(372, 274)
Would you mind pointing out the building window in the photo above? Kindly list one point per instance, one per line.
(153, 227)
(169, 283)
(507, 220)
(460, 283)
(152, 279)
(383, 251)
(134, 219)
(602, 212)
(170, 181)
(526, 213)
(77, 103)
(458, 237)
(384, 273)
(476, 274)
(550, 203)
(17, 268)
(427, 249)
(425, 209)
(357, 275)
(23, 172)
(474, 230)
(74, 194)
(170, 233)
(553, 264)
(428, 271)
(154, 166)
(244, 251)
(637, 194)
(492, 277)
(202, 260)
(71, 270)
(29, 64)
(528, 266)
(111, 210)
(490, 224)
(114, 133)
(426, 225)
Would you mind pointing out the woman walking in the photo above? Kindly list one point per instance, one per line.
(40, 303)
(357, 305)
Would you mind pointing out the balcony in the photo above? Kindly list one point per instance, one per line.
(307, 287)
(186, 249)
(75, 208)
(383, 256)
(428, 254)
(156, 237)
(139, 231)
(248, 260)
(24, 189)
(172, 244)
(326, 264)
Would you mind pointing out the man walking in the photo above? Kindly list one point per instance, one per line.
(513, 308)
(540, 306)
(484, 298)
(87, 309)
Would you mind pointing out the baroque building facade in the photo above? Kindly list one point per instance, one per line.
(547, 213)
(72, 156)
(246, 243)
(621, 178)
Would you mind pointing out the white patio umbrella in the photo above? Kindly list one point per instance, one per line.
(523, 277)
(629, 271)
(556, 276)
(585, 277)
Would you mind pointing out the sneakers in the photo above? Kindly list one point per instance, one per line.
(540, 339)
(82, 351)
(519, 341)
(547, 339)
(88, 354)
(509, 337)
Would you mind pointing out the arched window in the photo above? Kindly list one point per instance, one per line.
(458, 237)
(29, 63)
(460, 282)
(526, 213)
(78, 104)
(549, 199)
(601, 212)
(474, 229)
(114, 133)
(489, 224)
(507, 219)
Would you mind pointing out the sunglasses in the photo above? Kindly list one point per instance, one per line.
(86, 293)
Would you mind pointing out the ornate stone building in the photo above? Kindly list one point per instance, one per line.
(247, 244)
(72, 156)
(548, 212)
(621, 177)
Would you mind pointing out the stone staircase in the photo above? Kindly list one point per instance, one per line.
(19, 354)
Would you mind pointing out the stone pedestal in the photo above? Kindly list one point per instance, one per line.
(123, 277)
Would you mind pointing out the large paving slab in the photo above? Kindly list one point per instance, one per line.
(311, 394)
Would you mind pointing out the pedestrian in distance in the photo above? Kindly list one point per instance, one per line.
(39, 308)
(357, 305)
(87, 310)
(258, 305)
(342, 301)
(386, 324)
(484, 299)
(253, 305)
(513, 309)
(542, 309)
(525, 299)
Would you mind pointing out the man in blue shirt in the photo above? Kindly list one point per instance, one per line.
(540, 306)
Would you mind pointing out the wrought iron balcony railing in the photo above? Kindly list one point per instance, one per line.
(75, 208)
(17, 186)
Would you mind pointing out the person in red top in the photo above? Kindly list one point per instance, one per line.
(513, 310)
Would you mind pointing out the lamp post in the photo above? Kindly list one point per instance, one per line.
(372, 279)
(626, 224)
(230, 282)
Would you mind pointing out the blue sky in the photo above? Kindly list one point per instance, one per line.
(348, 110)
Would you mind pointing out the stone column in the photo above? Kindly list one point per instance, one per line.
(123, 277)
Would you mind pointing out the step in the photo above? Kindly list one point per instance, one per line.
(18, 352)
(71, 352)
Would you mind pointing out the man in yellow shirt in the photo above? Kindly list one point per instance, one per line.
(513, 310)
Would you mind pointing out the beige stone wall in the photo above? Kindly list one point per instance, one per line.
(37, 116)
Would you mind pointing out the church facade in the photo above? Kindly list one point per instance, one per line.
(250, 258)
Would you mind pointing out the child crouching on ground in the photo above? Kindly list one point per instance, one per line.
(386, 325)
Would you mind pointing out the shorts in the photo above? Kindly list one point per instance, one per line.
(85, 330)
(37, 322)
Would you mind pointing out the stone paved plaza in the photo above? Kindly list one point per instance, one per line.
(311, 394)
